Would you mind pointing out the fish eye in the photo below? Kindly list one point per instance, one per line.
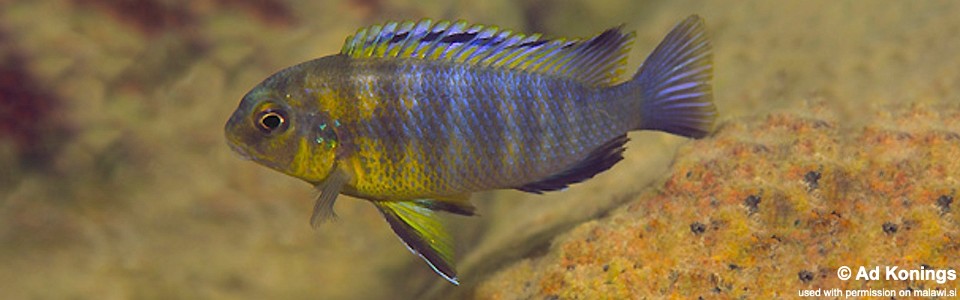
(271, 120)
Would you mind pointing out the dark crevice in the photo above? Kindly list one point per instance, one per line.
(148, 16)
(30, 117)
(272, 12)
(153, 17)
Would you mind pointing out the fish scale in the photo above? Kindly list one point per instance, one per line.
(417, 116)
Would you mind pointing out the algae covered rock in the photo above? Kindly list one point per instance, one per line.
(768, 207)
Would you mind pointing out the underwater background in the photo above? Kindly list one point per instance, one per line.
(837, 145)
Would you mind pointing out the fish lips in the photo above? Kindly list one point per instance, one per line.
(239, 150)
(230, 134)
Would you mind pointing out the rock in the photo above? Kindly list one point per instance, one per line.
(870, 174)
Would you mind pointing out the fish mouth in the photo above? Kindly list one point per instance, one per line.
(239, 150)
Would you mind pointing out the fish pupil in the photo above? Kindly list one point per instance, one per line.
(270, 121)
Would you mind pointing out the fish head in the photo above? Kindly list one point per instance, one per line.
(273, 127)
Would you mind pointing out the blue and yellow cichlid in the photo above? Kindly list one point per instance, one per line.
(416, 116)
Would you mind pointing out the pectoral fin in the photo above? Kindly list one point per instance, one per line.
(329, 190)
(418, 227)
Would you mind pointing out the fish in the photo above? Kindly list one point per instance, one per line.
(416, 116)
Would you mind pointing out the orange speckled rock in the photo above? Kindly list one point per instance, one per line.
(767, 207)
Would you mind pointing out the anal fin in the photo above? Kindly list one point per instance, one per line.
(418, 227)
(457, 204)
(599, 160)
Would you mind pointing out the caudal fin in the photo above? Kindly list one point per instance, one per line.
(674, 83)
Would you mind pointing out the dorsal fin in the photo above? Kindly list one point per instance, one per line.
(596, 61)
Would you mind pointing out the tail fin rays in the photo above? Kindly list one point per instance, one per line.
(674, 83)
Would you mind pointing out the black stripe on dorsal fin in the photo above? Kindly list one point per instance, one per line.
(600, 159)
(596, 61)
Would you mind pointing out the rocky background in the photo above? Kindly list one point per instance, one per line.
(837, 145)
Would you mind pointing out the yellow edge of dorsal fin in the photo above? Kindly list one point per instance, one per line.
(595, 61)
